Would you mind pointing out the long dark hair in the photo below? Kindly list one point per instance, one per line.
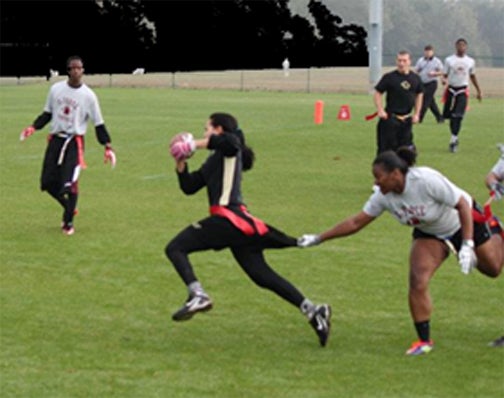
(230, 125)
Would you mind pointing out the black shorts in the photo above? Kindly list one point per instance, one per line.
(217, 233)
(60, 168)
(481, 234)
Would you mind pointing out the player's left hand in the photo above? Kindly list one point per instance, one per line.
(109, 156)
(467, 257)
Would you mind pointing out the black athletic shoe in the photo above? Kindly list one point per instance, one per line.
(321, 322)
(194, 304)
(498, 342)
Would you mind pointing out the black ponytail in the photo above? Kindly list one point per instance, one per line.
(403, 158)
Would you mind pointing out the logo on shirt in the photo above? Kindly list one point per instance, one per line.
(405, 84)
(410, 215)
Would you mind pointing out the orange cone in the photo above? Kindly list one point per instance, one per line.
(319, 112)
(344, 112)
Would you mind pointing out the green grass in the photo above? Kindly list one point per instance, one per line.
(89, 315)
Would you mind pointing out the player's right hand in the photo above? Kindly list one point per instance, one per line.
(26, 133)
(308, 240)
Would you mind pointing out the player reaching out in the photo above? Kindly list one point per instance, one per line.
(230, 225)
(441, 216)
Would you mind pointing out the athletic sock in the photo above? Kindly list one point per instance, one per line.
(195, 288)
(307, 308)
(423, 330)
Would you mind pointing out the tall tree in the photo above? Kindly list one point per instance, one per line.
(337, 44)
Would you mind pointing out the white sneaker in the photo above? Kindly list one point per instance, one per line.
(197, 303)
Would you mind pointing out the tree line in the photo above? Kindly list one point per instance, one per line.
(411, 25)
(167, 36)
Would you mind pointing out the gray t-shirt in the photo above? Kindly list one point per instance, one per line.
(427, 203)
(425, 66)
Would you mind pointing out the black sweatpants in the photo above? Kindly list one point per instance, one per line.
(217, 233)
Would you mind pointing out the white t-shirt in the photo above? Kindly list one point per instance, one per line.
(498, 169)
(458, 69)
(71, 108)
(427, 203)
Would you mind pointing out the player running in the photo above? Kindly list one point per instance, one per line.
(441, 216)
(230, 225)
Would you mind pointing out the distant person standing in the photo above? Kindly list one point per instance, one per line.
(286, 66)
(69, 106)
(459, 68)
(404, 93)
(430, 67)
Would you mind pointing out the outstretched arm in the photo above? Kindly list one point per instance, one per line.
(347, 227)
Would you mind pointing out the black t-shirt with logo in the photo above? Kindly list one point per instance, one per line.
(401, 91)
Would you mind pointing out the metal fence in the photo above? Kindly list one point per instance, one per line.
(347, 80)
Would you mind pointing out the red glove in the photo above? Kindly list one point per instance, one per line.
(109, 156)
(26, 133)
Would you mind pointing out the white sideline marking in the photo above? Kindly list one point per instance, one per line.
(154, 177)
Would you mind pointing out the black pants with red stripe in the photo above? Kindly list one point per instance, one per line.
(217, 233)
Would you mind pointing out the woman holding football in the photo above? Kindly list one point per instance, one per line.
(441, 216)
(230, 225)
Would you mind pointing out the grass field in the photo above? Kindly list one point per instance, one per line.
(89, 315)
